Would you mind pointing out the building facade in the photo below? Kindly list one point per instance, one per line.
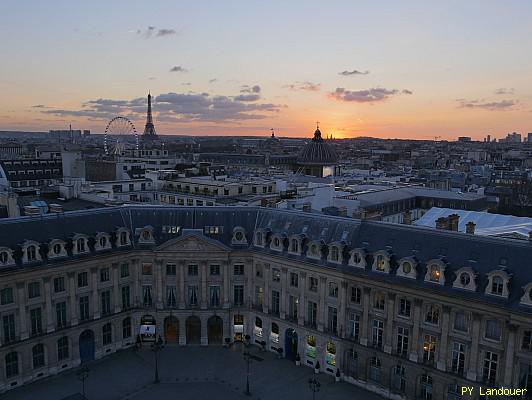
(404, 311)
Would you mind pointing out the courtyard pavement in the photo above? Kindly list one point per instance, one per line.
(191, 372)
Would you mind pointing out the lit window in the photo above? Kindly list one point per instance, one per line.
(381, 263)
(434, 273)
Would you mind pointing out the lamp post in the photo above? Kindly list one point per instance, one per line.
(83, 374)
(247, 358)
(314, 385)
(156, 347)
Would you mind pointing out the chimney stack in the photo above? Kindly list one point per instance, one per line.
(453, 222)
(407, 217)
(470, 227)
(441, 223)
(342, 211)
(307, 207)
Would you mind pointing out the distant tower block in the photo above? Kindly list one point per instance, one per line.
(149, 129)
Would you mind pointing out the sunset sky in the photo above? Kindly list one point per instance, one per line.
(395, 69)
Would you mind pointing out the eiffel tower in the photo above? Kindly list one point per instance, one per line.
(149, 129)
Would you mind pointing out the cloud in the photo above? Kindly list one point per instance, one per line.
(250, 89)
(306, 85)
(248, 93)
(488, 105)
(38, 106)
(176, 107)
(213, 80)
(373, 95)
(503, 91)
(153, 31)
(177, 68)
(353, 72)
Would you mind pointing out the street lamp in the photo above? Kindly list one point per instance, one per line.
(314, 385)
(83, 374)
(156, 347)
(247, 357)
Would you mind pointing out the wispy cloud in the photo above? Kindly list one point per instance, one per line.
(249, 93)
(373, 95)
(487, 105)
(177, 68)
(213, 80)
(504, 91)
(306, 85)
(353, 72)
(166, 32)
(152, 31)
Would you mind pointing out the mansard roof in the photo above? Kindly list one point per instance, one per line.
(455, 249)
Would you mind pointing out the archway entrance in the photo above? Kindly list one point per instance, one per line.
(87, 346)
(171, 330)
(193, 330)
(215, 329)
(290, 344)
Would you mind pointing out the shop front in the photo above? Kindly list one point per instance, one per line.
(310, 350)
(330, 357)
(147, 329)
(238, 328)
(257, 330)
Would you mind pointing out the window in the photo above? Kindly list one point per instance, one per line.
(465, 279)
(146, 296)
(103, 242)
(293, 303)
(333, 289)
(107, 334)
(458, 358)
(376, 333)
(59, 284)
(426, 387)
(171, 269)
(276, 242)
(497, 286)
(275, 302)
(379, 301)
(193, 270)
(80, 245)
(62, 348)
(36, 321)
(375, 369)
(356, 295)
(334, 254)
(83, 279)
(313, 284)
(147, 269)
(171, 300)
(123, 238)
(294, 245)
(276, 275)
(489, 370)
(4, 256)
(126, 328)
(433, 315)
(429, 348)
(353, 327)
(125, 298)
(38, 356)
(332, 320)
(238, 295)
(124, 270)
(404, 307)
(105, 297)
(527, 340)
(8, 323)
(193, 295)
(238, 269)
(34, 290)
(104, 275)
(60, 314)
(434, 273)
(258, 271)
(6, 296)
(402, 341)
(31, 252)
(493, 330)
(214, 269)
(407, 267)
(84, 308)
(312, 314)
(11, 360)
(294, 279)
(381, 263)
(460, 321)
(214, 296)
(399, 378)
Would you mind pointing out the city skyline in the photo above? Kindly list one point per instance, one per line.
(410, 71)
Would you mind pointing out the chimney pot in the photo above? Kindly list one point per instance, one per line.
(470, 227)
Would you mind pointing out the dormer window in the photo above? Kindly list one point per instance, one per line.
(380, 263)
(435, 272)
(103, 242)
(80, 246)
(294, 246)
(259, 239)
(335, 255)
(497, 286)
(357, 258)
(498, 283)
(123, 238)
(4, 256)
(406, 267)
(465, 279)
(146, 235)
(314, 250)
(31, 252)
(276, 242)
(239, 236)
(526, 299)
(57, 249)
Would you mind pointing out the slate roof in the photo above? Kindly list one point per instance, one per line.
(456, 249)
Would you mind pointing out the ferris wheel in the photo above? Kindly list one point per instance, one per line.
(118, 133)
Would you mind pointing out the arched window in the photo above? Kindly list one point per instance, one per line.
(434, 273)
(497, 285)
(80, 245)
(107, 334)
(38, 355)
(62, 348)
(126, 327)
(31, 252)
(4, 256)
(103, 242)
(11, 361)
(465, 279)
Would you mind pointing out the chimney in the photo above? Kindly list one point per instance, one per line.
(307, 207)
(470, 227)
(453, 222)
(407, 217)
(441, 223)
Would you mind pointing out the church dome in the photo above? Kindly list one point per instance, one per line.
(317, 152)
